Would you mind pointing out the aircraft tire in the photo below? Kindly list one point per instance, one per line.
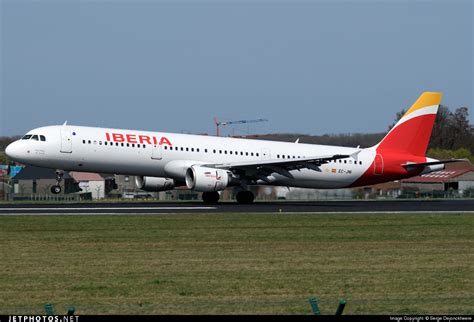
(245, 197)
(56, 189)
(210, 197)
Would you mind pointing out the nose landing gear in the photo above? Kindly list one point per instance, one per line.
(56, 189)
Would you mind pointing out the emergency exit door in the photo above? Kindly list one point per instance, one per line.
(378, 165)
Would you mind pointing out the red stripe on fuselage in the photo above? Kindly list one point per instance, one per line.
(392, 169)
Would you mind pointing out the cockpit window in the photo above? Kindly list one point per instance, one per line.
(35, 137)
(42, 138)
(26, 137)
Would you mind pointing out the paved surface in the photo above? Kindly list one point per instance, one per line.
(258, 207)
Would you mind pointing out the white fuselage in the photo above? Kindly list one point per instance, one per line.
(158, 154)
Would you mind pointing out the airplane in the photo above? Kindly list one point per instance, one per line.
(163, 161)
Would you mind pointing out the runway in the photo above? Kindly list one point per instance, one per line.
(290, 207)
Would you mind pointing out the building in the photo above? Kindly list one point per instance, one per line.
(92, 185)
(454, 182)
(35, 183)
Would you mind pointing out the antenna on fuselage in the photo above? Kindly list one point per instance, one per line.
(65, 123)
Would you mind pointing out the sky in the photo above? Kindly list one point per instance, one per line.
(312, 67)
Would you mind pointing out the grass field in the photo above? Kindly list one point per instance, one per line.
(238, 263)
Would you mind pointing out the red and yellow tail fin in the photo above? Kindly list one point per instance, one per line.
(412, 132)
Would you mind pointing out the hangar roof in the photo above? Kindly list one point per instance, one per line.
(439, 176)
(37, 173)
(86, 176)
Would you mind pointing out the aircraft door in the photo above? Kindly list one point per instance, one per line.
(157, 152)
(66, 140)
(266, 154)
(378, 165)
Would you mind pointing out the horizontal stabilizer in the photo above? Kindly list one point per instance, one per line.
(411, 166)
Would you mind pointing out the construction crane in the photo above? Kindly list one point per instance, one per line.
(224, 123)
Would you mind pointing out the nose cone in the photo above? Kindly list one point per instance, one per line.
(13, 151)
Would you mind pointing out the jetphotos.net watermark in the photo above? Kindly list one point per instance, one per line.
(42, 318)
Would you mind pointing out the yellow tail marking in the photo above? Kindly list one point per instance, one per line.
(426, 99)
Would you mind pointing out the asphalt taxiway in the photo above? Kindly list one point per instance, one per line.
(99, 208)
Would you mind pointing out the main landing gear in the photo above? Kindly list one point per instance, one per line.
(245, 197)
(56, 189)
(210, 197)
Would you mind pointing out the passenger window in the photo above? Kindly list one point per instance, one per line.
(257, 154)
(192, 149)
(345, 161)
(128, 145)
(89, 141)
(241, 153)
(133, 145)
(100, 142)
(230, 152)
(214, 151)
(246, 153)
(220, 151)
(83, 141)
(122, 144)
(144, 146)
(187, 149)
(251, 154)
(42, 138)
(197, 150)
(225, 152)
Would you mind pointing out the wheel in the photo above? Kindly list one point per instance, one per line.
(56, 189)
(245, 196)
(210, 197)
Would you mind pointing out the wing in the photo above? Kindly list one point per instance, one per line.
(261, 169)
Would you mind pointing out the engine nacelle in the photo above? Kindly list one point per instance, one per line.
(154, 183)
(204, 179)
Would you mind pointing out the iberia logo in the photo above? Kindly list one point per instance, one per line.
(137, 138)
(209, 175)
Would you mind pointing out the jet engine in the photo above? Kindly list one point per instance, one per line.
(154, 183)
(204, 179)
